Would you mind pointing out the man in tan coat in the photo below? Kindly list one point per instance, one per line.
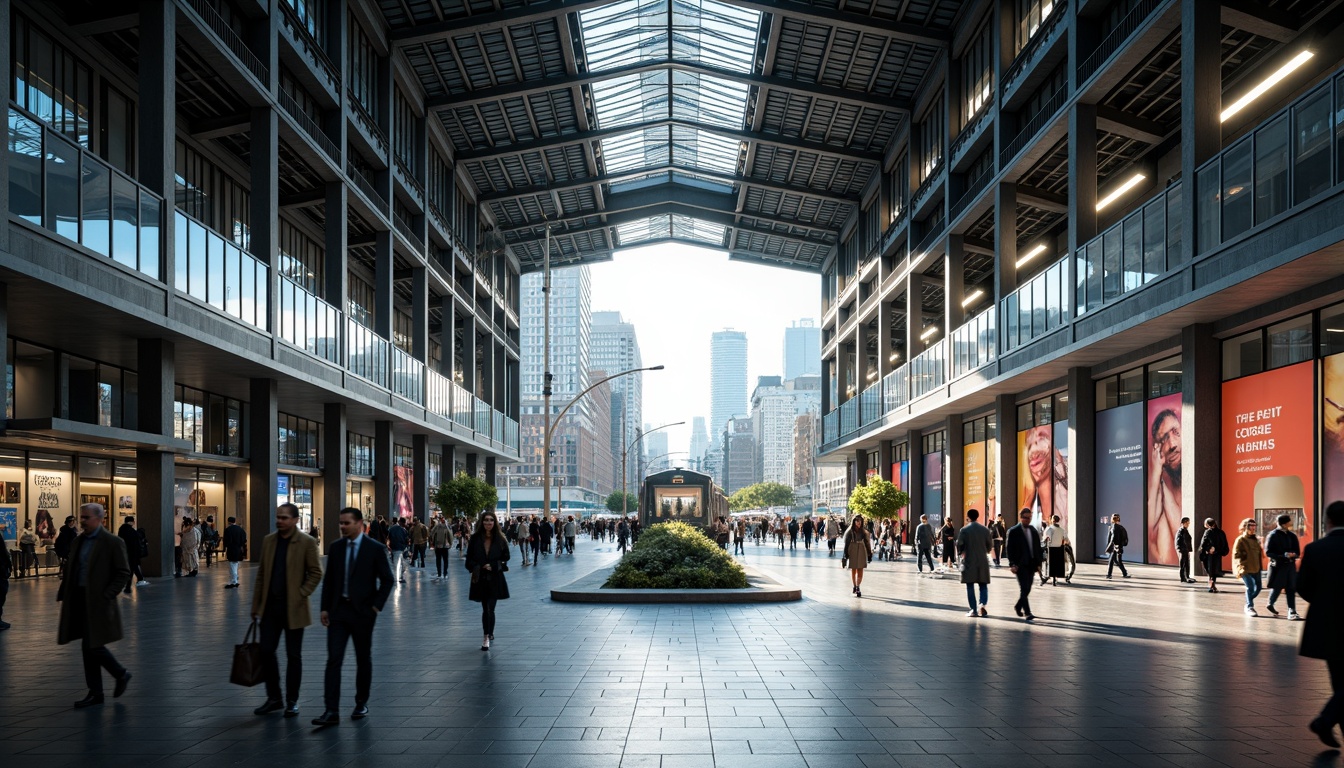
(289, 573)
(95, 573)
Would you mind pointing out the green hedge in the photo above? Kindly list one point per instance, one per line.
(677, 556)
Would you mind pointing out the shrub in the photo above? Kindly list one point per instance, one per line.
(677, 556)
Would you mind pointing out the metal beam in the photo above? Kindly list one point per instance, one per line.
(1112, 120)
(737, 254)
(105, 24)
(766, 139)
(1039, 198)
(1253, 17)
(303, 199)
(613, 178)
(626, 216)
(219, 127)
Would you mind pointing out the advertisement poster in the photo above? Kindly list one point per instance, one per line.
(1332, 430)
(933, 488)
(973, 478)
(1038, 489)
(1119, 470)
(9, 523)
(1267, 457)
(1061, 472)
(49, 496)
(1162, 487)
(992, 510)
(403, 504)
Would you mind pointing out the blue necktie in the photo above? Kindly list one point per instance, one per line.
(349, 566)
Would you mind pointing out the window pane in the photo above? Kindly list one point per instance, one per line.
(1243, 355)
(196, 261)
(1332, 330)
(1154, 239)
(25, 168)
(1311, 147)
(1237, 208)
(125, 221)
(1164, 377)
(232, 280)
(1175, 216)
(62, 192)
(215, 276)
(149, 235)
(1111, 263)
(1207, 230)
(1133, 259)
(1271, 170)
(1290, 341)
(263, 293)
(1131, 387)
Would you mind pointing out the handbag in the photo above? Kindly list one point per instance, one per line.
(247, 669)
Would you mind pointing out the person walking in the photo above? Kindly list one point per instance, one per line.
(1248, 558)
(740, 537)
(487, 560)
(1055, 539)
(975, 543)
(832, 533)
(136, 548)
(1116, 541)
(288, 573)
(191, 547)
(924, 543)
(547, 533)
(571, 531)
(94, 576)
(1022, 548)
(64, 538)
(1282, 548)
(793, 533)
(441, 537)
(398, 539)
(858, 551)
(1185, 544)
(520, 535)
(808, 528)
(235, 550)
(354, 590)
(28, 550)
(1321, 583)
(948, 534)
(622, 535)
(1000, 533)
(1212, 549)
(419, 542)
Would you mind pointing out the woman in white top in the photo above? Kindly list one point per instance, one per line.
(1055, 539)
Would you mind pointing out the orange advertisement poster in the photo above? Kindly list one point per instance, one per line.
(973, 478)
(1267, 456)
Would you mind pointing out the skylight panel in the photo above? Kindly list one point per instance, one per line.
(624, 33)
(708, 99)
(704, 31)
(652, 228)
(714, 33)
(631, 151)
(691, 228)
(694, 148)
(631, 99)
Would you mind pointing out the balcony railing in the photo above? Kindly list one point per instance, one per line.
(1293, 157)
(974, 343)
(849, 416)
(366, 188)
(483, 411)
(511, 434)
(408, 178)
(972, 128)
(830, 426)
(928, 371)
(366, 353)
(408, 232)
(216, 271)
(309, 126)
(973, 189)
(1132, 252)
(1117, 37)
(230, 39)
(408, 376)
(308, 322)
(1034, 46)
(896, 389)
(310, 46)
(1037, 308)
(366, 122)
(1034, 125)
(870, 404)
(57, 185)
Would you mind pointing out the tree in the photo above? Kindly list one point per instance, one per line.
(760, 496)
(878, 499)
(466, 496)
(614, 503)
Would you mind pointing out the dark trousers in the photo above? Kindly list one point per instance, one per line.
(96, 660)
(272, 626)
(1334, 708)
(998, 550)
(488, 615)
(1185, 566)
(177, 561)
(1025, 578)
(925, 553)
(348, 623)
(4, 591)
(441, 561)
(1117, 556)
(418, 554)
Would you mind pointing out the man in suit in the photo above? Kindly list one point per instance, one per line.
(1116, 541)
(1023, 551)
(235, 549)
(289, 573)
(1321, 583)
(924, 543)
(355, 589)
(1185, 544)
(94, 576)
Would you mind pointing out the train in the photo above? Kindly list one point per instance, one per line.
(681, 495)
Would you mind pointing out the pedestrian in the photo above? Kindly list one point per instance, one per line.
(721, 533)
(419, 542)
(948, 534)
(398, 539)
(547, 532)
(1022, 547)
(441, 537)
(571, 531)
(1055, 539)
(924, 543)
(136, 548)
(1282, 549)
(1000, 534)
(94, 576)
(64, 538)
(235, 550)
(832, 533)
(1248, 558)
(808, 528)
(209, 538)
(975, 542)
(793, 533)
(191, 547)
(622, 535)
(1185, 544)
(1116, 541)
(1212, 549)
(487, 560)
(28, 549)
(1321, 583)
(6, 568)
(288, 573)
(534, 538)
(520, 535)
(739, 537)
(857, 552)
(354, 591)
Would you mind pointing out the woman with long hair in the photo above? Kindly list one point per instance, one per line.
(1248, 560)
(858, 550)
(1212, 548)
(487, 560)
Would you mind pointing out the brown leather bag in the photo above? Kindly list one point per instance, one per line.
(247, 669)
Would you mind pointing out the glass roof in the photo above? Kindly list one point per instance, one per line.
(640, 31)
(681, 145)
(665, 176)
(648, 96)
(670, 225)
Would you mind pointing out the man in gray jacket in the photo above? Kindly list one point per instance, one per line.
(924, 543)
(975, 542)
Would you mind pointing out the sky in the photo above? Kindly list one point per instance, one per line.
(677, 296)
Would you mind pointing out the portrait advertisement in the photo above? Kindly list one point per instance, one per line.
(1332, 429)
(403, 502)
(1163, 478)
(125, 503)
(1036, 461)
(12, 492)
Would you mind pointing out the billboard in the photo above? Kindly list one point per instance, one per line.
(1119, 470)
(403, 500)
(1332, 430)
(933, 488)
(973, 478)
(1042, 477)
(1162, 487)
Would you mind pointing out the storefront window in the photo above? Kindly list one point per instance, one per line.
(1164, 377)
(1290, 342)
(11, 494)
(1332, 330)
(1243, 355)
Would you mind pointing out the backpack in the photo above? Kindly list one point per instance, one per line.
(144, 543)
(1222, 548)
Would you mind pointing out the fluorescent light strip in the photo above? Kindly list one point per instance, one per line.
(1115, 194)
(931, 330)
(974, 297)
(1266, 84)
(1033, 253)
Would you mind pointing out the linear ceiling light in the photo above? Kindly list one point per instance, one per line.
(974, 297)
(1115, 194)
(1033, 253)
(932, 329)
(1266, 84)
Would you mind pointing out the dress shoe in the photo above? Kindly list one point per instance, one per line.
(269, 706)
(292, 709)
(92, 699)
(361, 712)
(120, 687)
(4, 625)
(1272, 609)
(327, 718)
(1323, 730)
(983, 611)
(1018, 608)
(1029, 617)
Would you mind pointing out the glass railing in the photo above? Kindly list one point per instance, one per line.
(408, 376)
(1038, 307)
(1132, 252)
(1285, 162)
(308, 322)
(849, 416)
(974, 343)
(438, 394)
(366, 353)
(497, 426)
(830, 427)
(928, 371)
(56, 185)
(463, 411)
(870, 404)
(511, 434)
(219, 273)
(483, 411)
(896, 389)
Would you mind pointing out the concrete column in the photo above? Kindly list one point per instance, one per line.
(447, 338)
(449, 461)
(420, 314)
(1201, 426)
(335, 460)
(420, 478)
(884, 460)
(487, 392)
(954, 285)
(1083, 189)
(156, 114)
(914, 315)
(157, 369)
(263, 454)
(1005, 240)
(335, 266)
(470, 377)
(264, 199)
(954, 496)
(501, 377)
(1082, 464)
(6, 55)
(915, 447)
(1201, 103)
(473, 465)
(861, 370)
(886, 315)
(841, 374)
(1005, 481)
(827, 376)
(384, 265)
(491, 473)
(383, 487)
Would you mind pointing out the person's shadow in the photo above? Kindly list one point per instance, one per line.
(1326, 759)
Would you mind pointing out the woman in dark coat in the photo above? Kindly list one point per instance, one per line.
(1212, 549)
(487, 559)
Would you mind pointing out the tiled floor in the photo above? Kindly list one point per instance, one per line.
(1142, 672)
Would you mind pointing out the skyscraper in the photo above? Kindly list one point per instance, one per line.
(802, 349)
(699, 441)
(615, 348)
(655, 451)
(728, 378)
(775, 408)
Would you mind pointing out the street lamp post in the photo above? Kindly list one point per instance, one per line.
(625, 461)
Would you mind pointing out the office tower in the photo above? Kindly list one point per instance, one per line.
(615, 348)
(802, 349)
(728, 378)
(699, 440)
(740, 464)
(775, 407)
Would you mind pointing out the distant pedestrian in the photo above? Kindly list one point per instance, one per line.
(975, 542)
(571, 532)
(739, 536)
(948, 534)
(440, 537)
(547, 533)
(1213, 548)
(235, 549)
(28, 549)
(1116, 541)
(1248, 558)
(1055, 540)
(398, 539)
(924, 543)
(1000, 531)
(94, 576)
(419, 542)
(288, 573)
(832, 533)
(191, 547)
(487, 560)
(64, 538)
(793, 533)
(1185, 544)
(1321, 583)
(622, 535)
(857, 553)
(721, 532)
(1282, 549)
(808, 528)
(520, 536)
(1022, 548)
(136, 548)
